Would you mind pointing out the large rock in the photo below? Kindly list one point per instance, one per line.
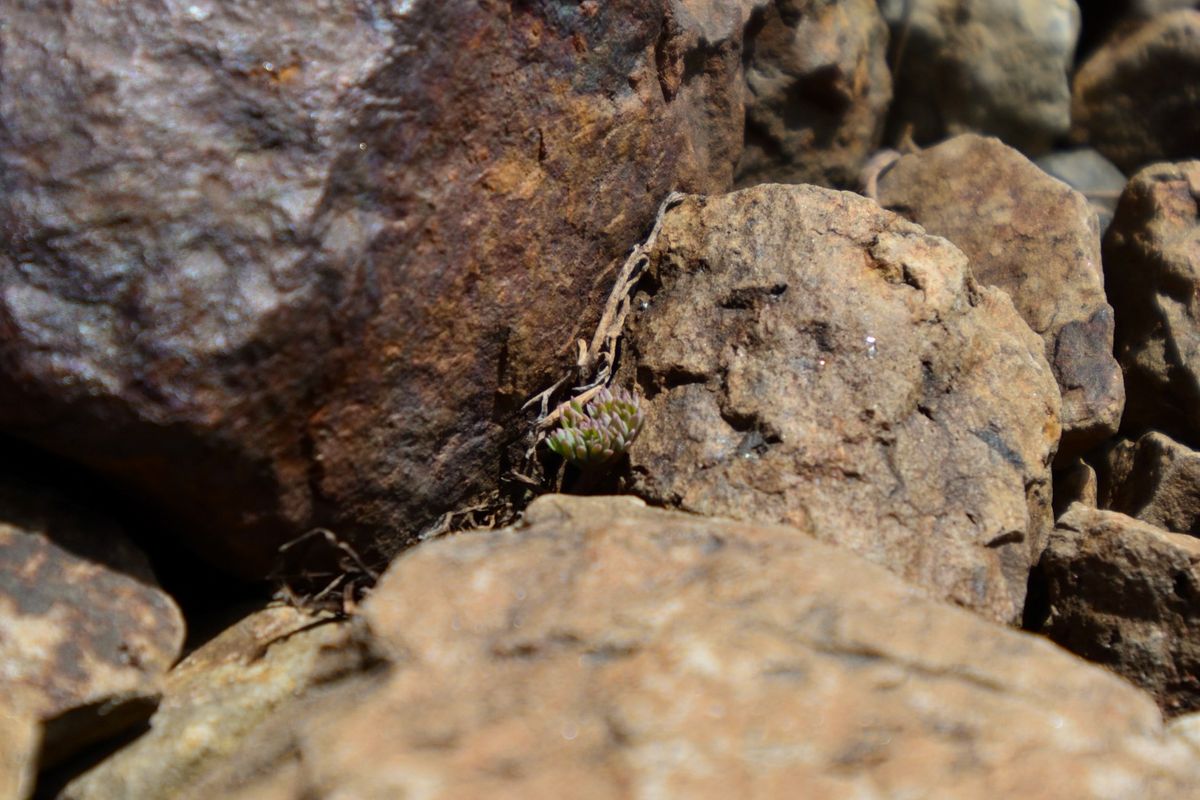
(990, 66)
(1036, 239)
(1135, 98)
(819, 90)
(607, 650)
(809, 358)
(85, 633)
(1152, 266)
(277, 265)
(214, 700)
(1156, 480)
(1126, 595)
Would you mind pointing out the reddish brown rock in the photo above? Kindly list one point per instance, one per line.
(606, 650)
(1136, 98)
(280, 265)
(1152, 265)
(1156, 480)
(85, 633)
(809, 358)
(1126, 595)
(818, 91)
(1036, 239)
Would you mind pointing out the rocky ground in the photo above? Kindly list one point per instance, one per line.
(291, 294)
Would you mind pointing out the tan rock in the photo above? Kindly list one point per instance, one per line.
(818, 91)
(1126, 595)
(20, 740)
(1037, 239)
(808, 358)
(86, 634)
(1134, 99)
(1152, 266)
(1155, 480)
(215, 698)
(606, 650)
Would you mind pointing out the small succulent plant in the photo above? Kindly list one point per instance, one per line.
(600, 431)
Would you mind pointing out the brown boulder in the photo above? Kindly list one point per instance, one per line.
(606, 650)
(1135, 99)
(283, 265)
(818, 91)
(1037, 239)
(85, 633)
(1155, 480)
(809, 358)
(1126, 595)
(1152, 265)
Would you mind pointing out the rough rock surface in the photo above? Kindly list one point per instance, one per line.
(276, 265)
(809, 358)
(1126, 595)
(608, 650)
(818, 91)
(85, 632)
(1152, 267)
(1036, 239)
(1075, 483)
(215, 698)
(1090, 174)
(1156, 480)
(1137, 98)
(990, 66)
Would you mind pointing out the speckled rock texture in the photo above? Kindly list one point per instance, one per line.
(1137, 97)
(1126, 595)
(86, 634)
(215, 699)
(1152, 268)
(278, 265)
(997, 67)
(1156, 480)
(809, 358)
(1090, 174)
(818, 91)
(1038, 240)
(606, 650)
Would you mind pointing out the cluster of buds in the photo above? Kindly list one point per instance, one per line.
(601, 430)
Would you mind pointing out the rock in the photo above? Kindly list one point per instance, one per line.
(278, 266)
(811, 359)
(216, 698)
(990, 66)
(1152, 267)
(1127, 595)
(1036, 239)
(85, 632)
(1187, 727)
(1135, 98)
(19, 743)
(1074, 483)
(1155, 480)
(818, 91)
(623, 651)
(1090, 174)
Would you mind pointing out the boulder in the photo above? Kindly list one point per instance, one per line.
(1155, 480)
(273, 266)
(809, 358)
(1134, 99)
(1038, 240)
(998, 67)
(603, 649)
(1152, 267)
(818, 91)
(86, 634)
(1126, 595)
(215, 698)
